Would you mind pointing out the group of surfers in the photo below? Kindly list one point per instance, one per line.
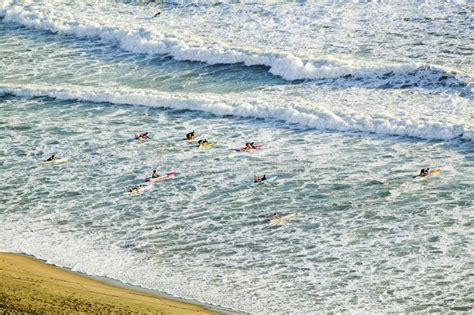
(136, 188)
(192, 136)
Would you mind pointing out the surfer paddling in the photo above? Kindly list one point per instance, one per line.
(202, 143)
(142, 136)
(249, 146)
(424, 172)
(51, 158)
(135, 189)
(257, 179)
(190, 135)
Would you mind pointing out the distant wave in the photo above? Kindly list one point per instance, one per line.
(234, 105)
(285, 65)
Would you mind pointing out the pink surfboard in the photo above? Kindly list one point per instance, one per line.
(157, 179)
(257, 147)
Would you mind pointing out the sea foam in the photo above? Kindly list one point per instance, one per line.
(253, 106)
(143, 37)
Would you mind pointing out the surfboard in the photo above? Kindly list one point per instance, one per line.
(140, 190)
(430, 173)
(433, 172)
(57, 161)
(157, 179)
(268, 180)
(207, 145)
(149, 137)
(284, 219)
(257, 147)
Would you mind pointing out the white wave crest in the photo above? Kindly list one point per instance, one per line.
(318, 116)
(149, 39)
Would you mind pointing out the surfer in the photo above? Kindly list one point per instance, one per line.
(135, 188)
(157, 14)
(190, 135)
(424, 172)
(202, 142)
(249, 146)
(276, 216)
(257, 179)
(51, 158)
(142, 136)
(155, 174)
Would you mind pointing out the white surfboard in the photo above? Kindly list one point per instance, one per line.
(283, 220)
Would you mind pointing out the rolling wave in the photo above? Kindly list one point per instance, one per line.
(149, 40)
(317, 117)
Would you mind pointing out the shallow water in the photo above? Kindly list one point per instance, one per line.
(367, 236)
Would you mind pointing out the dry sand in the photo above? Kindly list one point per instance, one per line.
(29, 285)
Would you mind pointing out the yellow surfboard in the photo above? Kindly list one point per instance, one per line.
(431, 173)
(208, 145)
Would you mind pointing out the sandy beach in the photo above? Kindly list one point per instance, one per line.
(29, 285)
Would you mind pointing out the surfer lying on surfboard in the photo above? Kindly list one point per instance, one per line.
(202, 142)
(278, 219)
(190, 135)
(425, 172)
(249, 146)
(142, 136)
(135, 188)
(51, 158)
(257, 179)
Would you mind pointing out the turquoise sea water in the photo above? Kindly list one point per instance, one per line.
(349, 100)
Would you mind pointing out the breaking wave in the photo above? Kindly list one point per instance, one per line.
(317, 117)
(146, 39)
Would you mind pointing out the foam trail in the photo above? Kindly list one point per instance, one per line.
(317, 117)
(150, 40)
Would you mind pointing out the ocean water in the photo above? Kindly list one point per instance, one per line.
(350, 100)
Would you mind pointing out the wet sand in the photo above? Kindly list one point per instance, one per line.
(30, 285)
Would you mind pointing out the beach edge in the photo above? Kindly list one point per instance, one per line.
(32, 285)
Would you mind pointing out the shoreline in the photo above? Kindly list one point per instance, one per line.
(32, 285)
